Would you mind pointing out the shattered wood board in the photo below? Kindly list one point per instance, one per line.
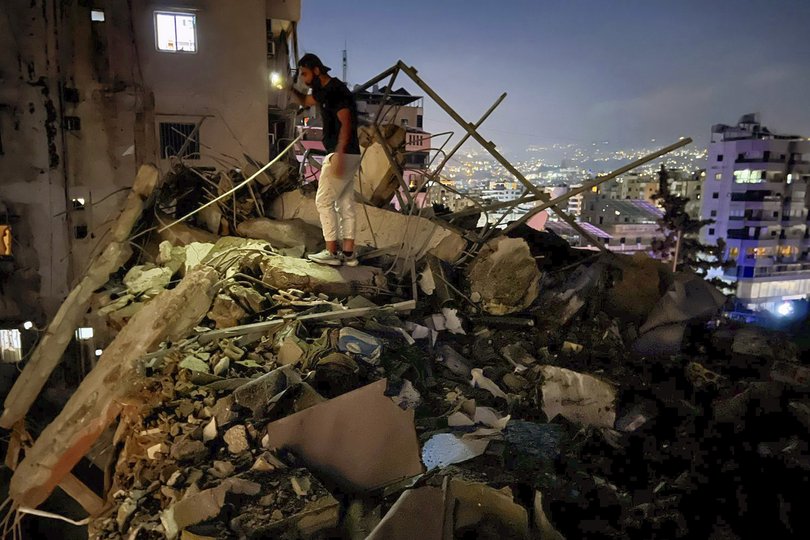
(362, 439)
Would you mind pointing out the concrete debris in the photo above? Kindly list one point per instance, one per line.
(112, 383)
(283, 233)
(505, 276)
(237, 440)
(291, 273)
(578, 397)
(226, 312)
(450, 387)
(147, 279)
(381, 229)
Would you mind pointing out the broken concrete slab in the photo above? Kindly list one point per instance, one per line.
(504, 275)
(361, 440)
(113, 384)
(382, 229)
(578, 397)
(203, 505)
(147, 279)
(283, 233)
(258, 393)
(291, 273)
(182, 234)
(225, 312)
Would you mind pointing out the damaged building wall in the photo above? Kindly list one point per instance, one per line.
(81, 108)
(32, 182)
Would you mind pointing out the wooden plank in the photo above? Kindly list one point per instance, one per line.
(78, 491)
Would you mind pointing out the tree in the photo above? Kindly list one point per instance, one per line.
(681, 234)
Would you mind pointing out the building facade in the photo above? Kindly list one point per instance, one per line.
(756, 189)
(92, 90)
(631, 224)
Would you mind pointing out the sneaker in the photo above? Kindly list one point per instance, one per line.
(325, 257)
(350, 260)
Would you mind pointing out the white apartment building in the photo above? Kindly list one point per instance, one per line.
(756, 189)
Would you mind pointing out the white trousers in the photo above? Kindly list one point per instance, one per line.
(335, 198)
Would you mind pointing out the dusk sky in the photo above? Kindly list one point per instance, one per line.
(578, 71)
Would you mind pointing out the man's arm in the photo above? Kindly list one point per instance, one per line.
(305, 100)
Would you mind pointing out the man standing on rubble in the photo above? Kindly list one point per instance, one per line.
(335, 196)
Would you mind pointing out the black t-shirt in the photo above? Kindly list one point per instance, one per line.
(332, 98)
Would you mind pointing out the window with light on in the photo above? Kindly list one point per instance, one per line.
(176, 32)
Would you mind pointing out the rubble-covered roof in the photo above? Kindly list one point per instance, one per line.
(458, 383)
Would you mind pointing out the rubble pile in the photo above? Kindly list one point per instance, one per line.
(535, 391)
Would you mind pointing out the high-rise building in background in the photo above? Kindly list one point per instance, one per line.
(755, 188)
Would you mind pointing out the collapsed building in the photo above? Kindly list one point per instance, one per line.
(463, 382)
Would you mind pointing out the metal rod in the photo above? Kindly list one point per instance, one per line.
(597, 181)
(394, 74)
(493, 206)
(490, 147)
(467, 135)
(435, 172)
(375, 80)
(241, 184)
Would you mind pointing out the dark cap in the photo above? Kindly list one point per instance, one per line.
(311, 61)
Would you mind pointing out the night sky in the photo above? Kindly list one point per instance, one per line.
(579, 71)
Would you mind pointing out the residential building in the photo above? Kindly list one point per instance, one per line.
(756, 189)
(92, 90)
(401, 108)
(640, 186)
(630, 223)
(689, 186)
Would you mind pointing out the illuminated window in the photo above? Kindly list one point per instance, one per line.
(10, 345)
(747, 176)
(718, 176)
(97, 15)
(734, 252)
(176, 32)
(5, 240)
(84, 333)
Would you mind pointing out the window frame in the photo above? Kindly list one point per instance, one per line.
(175, 14)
